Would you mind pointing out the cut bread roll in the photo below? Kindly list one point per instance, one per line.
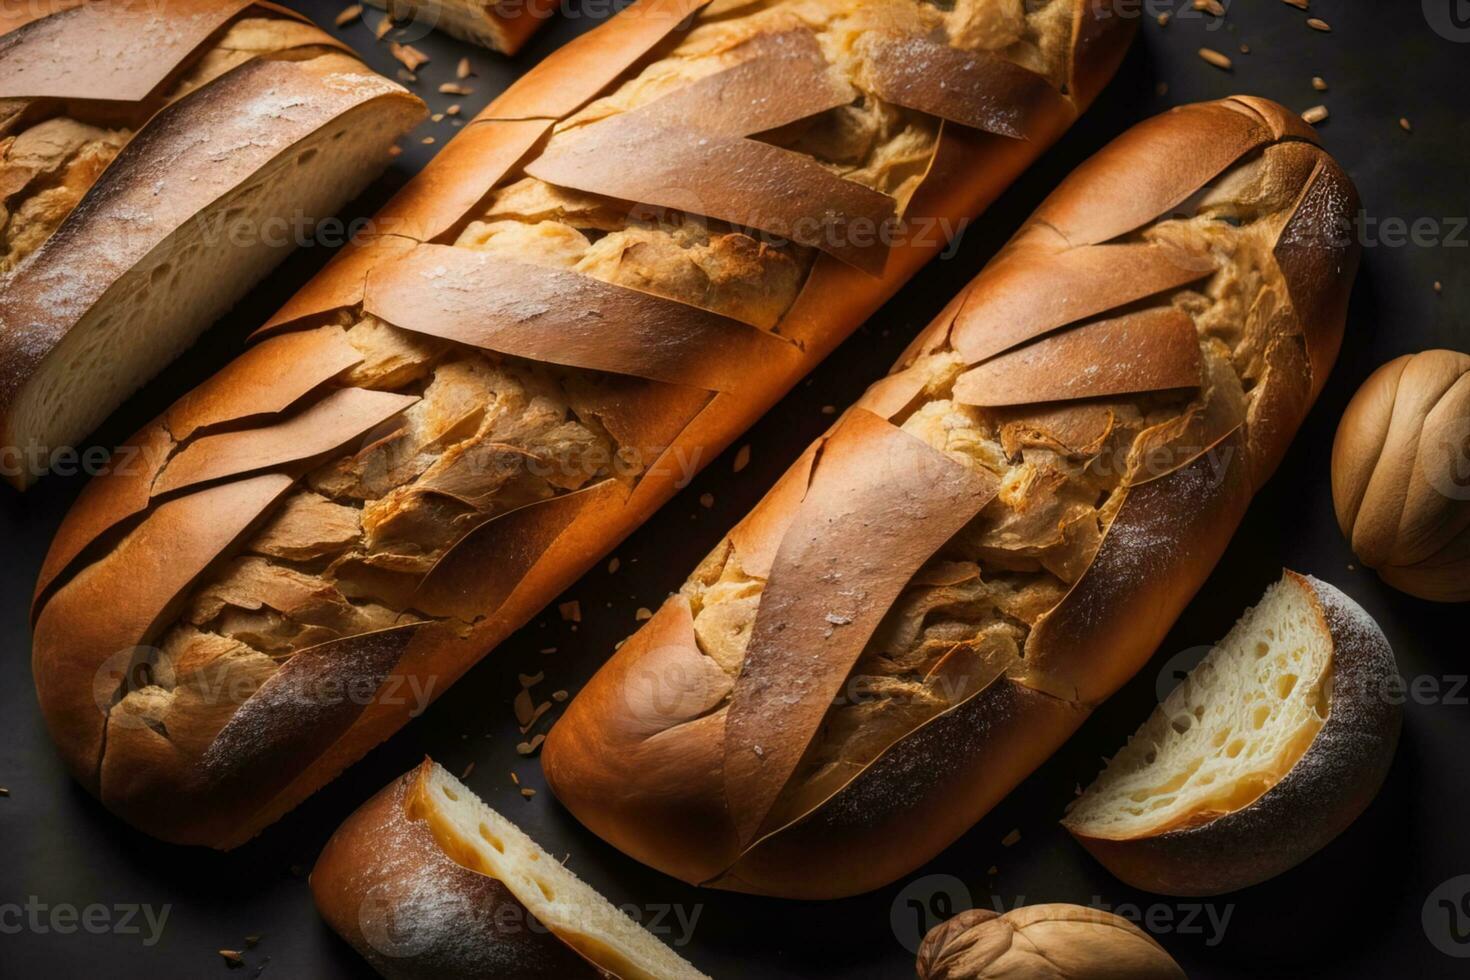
(425, 880)
(501, 26)
(1269, 749)
(144, 189)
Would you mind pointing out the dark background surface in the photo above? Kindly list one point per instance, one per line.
(1360, 908)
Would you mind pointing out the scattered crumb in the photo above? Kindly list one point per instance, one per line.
(427, 141)
(614, 565)
(463, 70)
(531, 680)
(1438, 288)
(1164, 19)
(1318, 24)
(527, 792)
(559, 696)
(529, 748)
(395, 150)
(5, 790)
(515, 779)
(570, 611)
(1315, 115)
(992, 870)
(411, 57)
(252, 940)
(643, 613)
(1011, 839)
(405, 76)
(1217, 59)
(829, 409)
(706, 500)
(384, 26)
(467, 770)
(232, 958)
(742, 458)
(1212, 7)
(1299, 4)
(349, 15)
(1319, 83)
(1161, 89)
(453, 110)
(454, 88)
(548, 650)
(1245, 49)
(1404, 124)
(437, 117)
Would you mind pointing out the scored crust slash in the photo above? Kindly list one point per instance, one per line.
(994, 538)
(156, 160)
(626, 259)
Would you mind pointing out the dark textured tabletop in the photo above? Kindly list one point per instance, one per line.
(83, 895)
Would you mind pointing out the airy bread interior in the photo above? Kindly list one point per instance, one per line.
(1236, 725)
(480, 839)
(160, 306)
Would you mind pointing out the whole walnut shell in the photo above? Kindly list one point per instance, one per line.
(1043, 942)
(1401, 474)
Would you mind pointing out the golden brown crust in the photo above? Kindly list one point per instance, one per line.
(1325, 791)
(502, 27)
(152, 79)
(1398, 482)
(386, 885)
(1043, 942)
(1122, 478)
(462, 473)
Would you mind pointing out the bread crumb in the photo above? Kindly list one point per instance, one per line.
(349, 15)
(529, 748)
(1161, 89)
(1315, 115)
(454, 88)
(1210, 7)
(453, 110)
(514, 778)
(1298, 4)
(829, 409)
(437, 117)
(1318, 24)
(527, 792)
(614, 565)
(427, 141)
(1245, 49)
(742, 458)
(643, 613)
(1404, 124)
(559, 696)
(232, 958)
(411, 57)
(992, 870)
(548, 650)
(1164, 19)
(570, 611)
(706, 500)
(1011, 839)
(384, 26)
(463, 70)
(1438, 288)
(1319, 83)
(1217, 59)
(467, 770)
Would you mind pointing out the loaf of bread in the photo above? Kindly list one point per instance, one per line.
(504, 25)
(994, 538)
(429, 883)
(588, 294)
(1043, 942)
(1401, 474)
(156, 160)
(1276, 742)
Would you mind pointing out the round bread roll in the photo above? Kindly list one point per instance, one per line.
(1401, 474)
(1043, 942)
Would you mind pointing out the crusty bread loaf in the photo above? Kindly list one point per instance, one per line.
(1400, 483)
(588, 294)
(1268, 750)
(994, 538)
(155, 162)
(1042, 942)
(492, 23)
(429, 883)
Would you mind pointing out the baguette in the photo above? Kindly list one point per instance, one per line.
(994, 538)
(426, 881)
(587, 295)
(153, 159)
(496, 24)
(1268, 750)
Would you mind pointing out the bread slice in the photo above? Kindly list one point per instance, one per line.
(1269, 749)
(425, 880)
(200, 204)
(502, 27)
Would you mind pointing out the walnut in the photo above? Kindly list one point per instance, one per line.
(1401, 474)
(1043, 942)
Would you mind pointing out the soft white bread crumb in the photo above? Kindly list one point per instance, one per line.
(483, 840)
(1230, 732)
